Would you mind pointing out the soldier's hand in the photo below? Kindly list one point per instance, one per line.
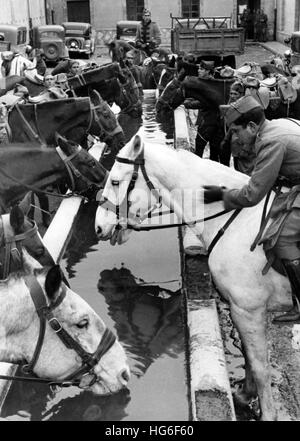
(213, 193)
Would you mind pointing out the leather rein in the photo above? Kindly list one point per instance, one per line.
(122, 209)
(46, 315)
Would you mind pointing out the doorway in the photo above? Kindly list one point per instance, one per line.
(253, 5)
(79, 11)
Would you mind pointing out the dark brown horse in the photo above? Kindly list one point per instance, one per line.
(30, 167)
(73, 118)
(209, 94)
(114, 85)
(151, 66)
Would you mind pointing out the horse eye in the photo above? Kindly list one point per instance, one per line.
(83, 324)
(115, 182)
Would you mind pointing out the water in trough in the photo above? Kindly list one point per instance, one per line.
(122, 283)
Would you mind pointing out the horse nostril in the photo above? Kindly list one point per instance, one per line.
(99, 230)
(124, 376)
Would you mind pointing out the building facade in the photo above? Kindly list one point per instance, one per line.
(288, 18)
(283, 15)
(104, 14)
(22, 12)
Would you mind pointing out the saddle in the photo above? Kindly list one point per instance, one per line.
(10, 99)
(51, 94)
(286, 91)
(270, 82)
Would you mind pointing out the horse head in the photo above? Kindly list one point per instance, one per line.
(84, 170)
(74, 345)
(117, 49)
(167, 74)
(120, 207)
(129, 96)
(171, 97)
(18, 232)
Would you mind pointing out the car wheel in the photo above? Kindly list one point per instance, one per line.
(51, 52)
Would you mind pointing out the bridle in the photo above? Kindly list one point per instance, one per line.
(46, 315)
(13, 255)
(73, 170)
(108, 133)
(126, 90)
(122, 209)
(177, 87)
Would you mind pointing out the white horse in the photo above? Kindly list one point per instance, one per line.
(236, 271)
(76, 346)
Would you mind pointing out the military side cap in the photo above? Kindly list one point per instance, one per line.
(233, 111)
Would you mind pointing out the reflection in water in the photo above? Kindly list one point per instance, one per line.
(158, 131)
(148, 317)
(41, 404)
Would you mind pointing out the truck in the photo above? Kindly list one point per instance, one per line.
(207, 38)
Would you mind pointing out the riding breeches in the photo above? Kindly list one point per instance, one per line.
(288, 243)
(213, 134)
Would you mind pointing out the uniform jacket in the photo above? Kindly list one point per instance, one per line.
(277, 149)
(147, 33)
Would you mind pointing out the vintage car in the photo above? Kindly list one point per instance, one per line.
(126, 30)
(50, 38)
(80, 38)
(13, 38)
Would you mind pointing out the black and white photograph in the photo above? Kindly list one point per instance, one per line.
(150, 213)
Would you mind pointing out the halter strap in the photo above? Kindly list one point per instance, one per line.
(12, 246)
(34, 134)
(45, 314)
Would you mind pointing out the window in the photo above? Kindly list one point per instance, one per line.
(190, 8)
(134, 9)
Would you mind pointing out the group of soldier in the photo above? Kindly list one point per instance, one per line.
(256, 21)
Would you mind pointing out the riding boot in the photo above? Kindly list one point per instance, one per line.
(292, 268)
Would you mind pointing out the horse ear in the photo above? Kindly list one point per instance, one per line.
(172, 62)
(16, 219)
(95, 97)
(137, 145)
(25, 203)
(53, 281)
(66, 145)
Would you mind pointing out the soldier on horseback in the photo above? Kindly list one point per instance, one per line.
(148, 35)
(277, 150)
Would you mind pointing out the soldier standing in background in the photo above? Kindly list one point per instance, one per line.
(263, 26)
